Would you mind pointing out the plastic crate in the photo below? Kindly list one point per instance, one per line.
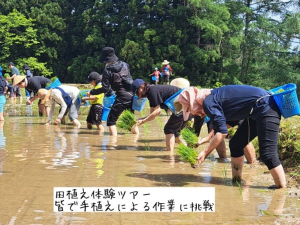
(138, 103)
(286, 99)
(109, 101)
(54, 84)
(105, 113)
(170, 101)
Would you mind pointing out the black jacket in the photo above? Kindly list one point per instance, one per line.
(111, 78)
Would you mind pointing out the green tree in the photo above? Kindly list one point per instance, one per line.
(17, 35)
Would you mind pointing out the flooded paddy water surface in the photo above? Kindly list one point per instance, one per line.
(35, 158)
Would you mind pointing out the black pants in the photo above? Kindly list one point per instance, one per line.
(123, 101)
(174, 125)
(266, 128)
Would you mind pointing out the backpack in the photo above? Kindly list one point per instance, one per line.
(126, 77)
(66, 97)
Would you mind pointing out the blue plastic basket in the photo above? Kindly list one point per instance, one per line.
(54, 84)
(138, 103)
(109, 101)
(153, 78)
(83, 93)
(170, 101)
(286, 99)
(105, 113)
(161, 74)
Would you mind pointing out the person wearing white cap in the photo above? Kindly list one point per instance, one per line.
(155, 76)
(261, 117)
(166, 70)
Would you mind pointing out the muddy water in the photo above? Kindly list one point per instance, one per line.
(35, 158)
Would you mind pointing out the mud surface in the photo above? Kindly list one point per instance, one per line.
(35, 158)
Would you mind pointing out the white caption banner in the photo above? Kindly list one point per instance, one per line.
(134, 199)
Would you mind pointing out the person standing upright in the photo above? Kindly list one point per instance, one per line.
(155, 76)
(15, 90)
(116, 75)
(166, 69)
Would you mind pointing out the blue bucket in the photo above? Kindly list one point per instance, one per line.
(138, 103)
(153, 78)
(170, 101)
(54, 84)
(83, 93)
(109, 101)
(286, 99)
(161, 74)
(105, 113)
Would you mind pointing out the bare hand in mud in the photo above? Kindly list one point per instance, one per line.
(28, 102)
(200, 159)
(57, 121)
(139, 122)
(135, 129)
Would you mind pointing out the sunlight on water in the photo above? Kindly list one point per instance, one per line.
(35, 158)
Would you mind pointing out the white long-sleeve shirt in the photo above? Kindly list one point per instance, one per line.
(56, 97)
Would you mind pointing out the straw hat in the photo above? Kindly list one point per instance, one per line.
(18, 79)
(165, 62)
(180, 82)
(44, 95)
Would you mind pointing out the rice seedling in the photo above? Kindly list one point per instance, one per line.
(147, 146)
(190, 137)
(126, 120)
(224, 172)
(188, 154)
(240, 187)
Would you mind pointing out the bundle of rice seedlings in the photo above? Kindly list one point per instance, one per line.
(188, 154)
(126, 120)
(190, 137)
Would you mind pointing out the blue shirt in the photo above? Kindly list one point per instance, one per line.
(233, 103)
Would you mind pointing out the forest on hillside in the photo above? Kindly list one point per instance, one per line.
(210, 42)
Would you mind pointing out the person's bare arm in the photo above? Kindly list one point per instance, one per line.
(154, 112)
(215, 141)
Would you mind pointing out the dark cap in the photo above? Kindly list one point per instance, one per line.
(26, 67)
(94, 76)
(136, 85)
(11, 64)
(108, 55)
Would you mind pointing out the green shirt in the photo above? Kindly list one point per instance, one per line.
(15, 70)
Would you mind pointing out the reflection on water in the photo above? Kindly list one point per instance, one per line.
(62, 156)
(2, 147)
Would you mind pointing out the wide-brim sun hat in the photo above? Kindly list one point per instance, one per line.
(18, 79)
(165, 62)
(44, 95)
(180, 82)
(108, 55)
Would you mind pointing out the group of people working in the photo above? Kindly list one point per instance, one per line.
(224, 106)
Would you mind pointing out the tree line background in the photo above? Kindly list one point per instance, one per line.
(209, 42)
